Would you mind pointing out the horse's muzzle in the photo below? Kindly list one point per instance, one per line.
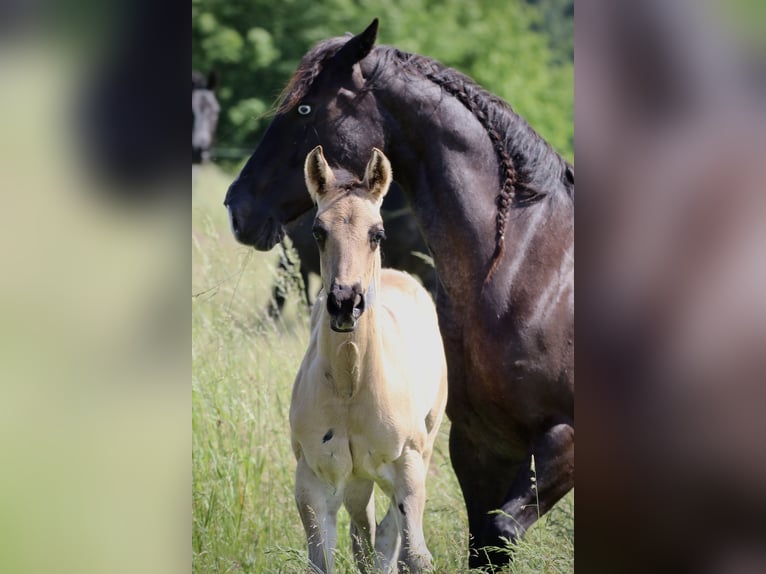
(345, 304)
(261, 233)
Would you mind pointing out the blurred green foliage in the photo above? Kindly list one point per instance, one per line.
(521, 51)
(557, 22)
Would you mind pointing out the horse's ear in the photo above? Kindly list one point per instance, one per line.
(378, 174)
(319, 176)
(358, 46)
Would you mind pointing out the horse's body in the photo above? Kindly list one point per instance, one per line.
(404, 248)
(205, 110)
(372, 388)
(495, 204)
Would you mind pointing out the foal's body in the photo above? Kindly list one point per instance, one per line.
(367, 401)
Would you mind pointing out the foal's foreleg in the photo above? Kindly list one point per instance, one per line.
(408, 503)
(318, 505)
(388, 541)
(360, 504)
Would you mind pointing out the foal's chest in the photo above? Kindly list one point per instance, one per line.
(348, 439)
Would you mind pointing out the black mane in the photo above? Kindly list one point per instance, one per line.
(539, 168)
(530, 169)
(309, 68)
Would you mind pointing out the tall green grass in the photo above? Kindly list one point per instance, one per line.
(244, 515)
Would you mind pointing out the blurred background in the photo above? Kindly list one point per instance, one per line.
(94, 270)
(671, 315)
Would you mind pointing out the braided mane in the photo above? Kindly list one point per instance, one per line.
(523, 155)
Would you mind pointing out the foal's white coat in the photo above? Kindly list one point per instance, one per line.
(367, 403)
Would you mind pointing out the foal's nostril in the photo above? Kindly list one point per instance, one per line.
(345, 300)
(359, 302)
(334, 304)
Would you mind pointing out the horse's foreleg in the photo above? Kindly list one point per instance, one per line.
(360, 504)
(409, 500)
(484, 480)
(533, 494)
(318, 505)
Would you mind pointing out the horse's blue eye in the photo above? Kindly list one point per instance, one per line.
(304, 109)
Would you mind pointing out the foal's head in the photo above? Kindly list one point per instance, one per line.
(348, 229)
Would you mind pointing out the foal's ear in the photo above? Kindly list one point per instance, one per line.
(359, 46)
(319, 176)
(378, 175)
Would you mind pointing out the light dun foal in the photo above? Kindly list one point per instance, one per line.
(371, 391)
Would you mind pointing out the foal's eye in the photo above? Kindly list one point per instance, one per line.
(304, 109)
(376, 236)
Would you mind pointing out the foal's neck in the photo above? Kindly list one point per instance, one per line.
(353, 356)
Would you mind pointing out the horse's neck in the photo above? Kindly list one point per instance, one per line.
(446, 163)
(451, 172)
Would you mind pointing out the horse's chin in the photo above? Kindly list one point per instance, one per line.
(269, 237)
(265, 238)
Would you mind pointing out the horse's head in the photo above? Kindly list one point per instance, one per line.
(325, 103)
(205, 110)
(348, 230)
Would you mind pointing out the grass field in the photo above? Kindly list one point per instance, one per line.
(244, 515)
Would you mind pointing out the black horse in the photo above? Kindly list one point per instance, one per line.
(495, 203)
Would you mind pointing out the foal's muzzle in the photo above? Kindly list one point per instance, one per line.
(345, 304)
